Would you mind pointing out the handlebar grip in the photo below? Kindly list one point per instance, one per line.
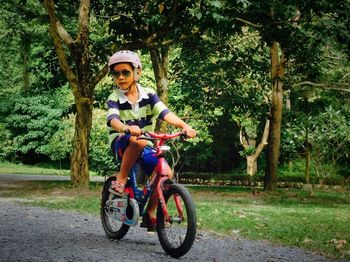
(183, 136)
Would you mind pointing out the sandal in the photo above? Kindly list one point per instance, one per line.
(117, 188)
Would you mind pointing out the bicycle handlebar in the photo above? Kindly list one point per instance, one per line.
(166, 136)
(162, 136)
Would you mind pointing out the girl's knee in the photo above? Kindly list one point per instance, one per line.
(169, 172)
(137, 142)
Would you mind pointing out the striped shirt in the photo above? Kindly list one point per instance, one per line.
(142, 113)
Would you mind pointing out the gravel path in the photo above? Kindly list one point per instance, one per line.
(38, 234)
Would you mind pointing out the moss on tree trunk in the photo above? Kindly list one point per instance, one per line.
(79, 157)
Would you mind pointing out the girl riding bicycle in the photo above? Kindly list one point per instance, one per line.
(132, 109)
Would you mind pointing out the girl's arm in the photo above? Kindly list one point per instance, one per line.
(174, 120)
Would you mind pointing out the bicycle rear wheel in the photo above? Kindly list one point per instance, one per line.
(113, 228)
(177, 236)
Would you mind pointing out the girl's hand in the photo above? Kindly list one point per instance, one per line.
(190, 132)
(134, 130)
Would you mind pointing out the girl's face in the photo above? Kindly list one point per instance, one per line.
(123, 75)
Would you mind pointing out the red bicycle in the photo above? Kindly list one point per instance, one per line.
(176, 214)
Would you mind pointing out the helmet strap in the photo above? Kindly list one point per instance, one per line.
(124, 91)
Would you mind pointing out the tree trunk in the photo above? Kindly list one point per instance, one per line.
(307, 148)
(82, 85)
(160, 62)
(274, 140)
(246, 142)
(79, 158)
(252, 165)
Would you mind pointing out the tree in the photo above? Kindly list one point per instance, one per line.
(277, 75)
(81, 79)
(160, 62)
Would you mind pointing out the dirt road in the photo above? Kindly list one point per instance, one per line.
(37, 234)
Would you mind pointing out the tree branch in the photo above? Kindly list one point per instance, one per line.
(332, 86)
(264, 138)
(54, 32)
(248, 23)
(63, 34)
(98, 77)
(243, 138)
(170, 17)
(83, 22)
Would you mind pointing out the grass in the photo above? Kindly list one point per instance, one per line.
(316, 221)
(12, 168)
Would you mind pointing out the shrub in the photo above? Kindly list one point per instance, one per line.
(6, 144)
(100, 154)
(291, 174)
(31, 120)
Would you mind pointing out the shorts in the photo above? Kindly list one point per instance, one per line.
(148, 158)
(119, 145)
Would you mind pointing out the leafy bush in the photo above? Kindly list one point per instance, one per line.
(59, 146)
(329, 135)
(292, 173)
(100, 154)
(225, 177)
(32, 120)
(295, 172)
(6, 144)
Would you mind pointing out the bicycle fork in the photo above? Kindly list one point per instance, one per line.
(163, 204)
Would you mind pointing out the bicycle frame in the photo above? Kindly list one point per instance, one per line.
(155, 183)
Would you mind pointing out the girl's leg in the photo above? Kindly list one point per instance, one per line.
(153, 202)
(130, 156)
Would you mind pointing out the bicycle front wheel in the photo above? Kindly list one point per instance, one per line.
(113, 228)
(177, 235)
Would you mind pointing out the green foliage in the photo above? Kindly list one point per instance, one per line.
(135, 25)
(6, 144)
(25, 49)
(329, 135)
(293, 135)
(291, 174)
(247, 151)
(59, 146)
(100, 154)
(213, 79)
(32, 120)
(219, 73)
(330, 175)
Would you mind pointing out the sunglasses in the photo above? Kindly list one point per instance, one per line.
(117, 74)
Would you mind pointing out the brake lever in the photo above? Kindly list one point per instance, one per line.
(145, 136)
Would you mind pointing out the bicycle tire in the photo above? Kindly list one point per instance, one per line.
(187, 228)
(114, 229)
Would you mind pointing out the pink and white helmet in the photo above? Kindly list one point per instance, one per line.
(125, 56)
